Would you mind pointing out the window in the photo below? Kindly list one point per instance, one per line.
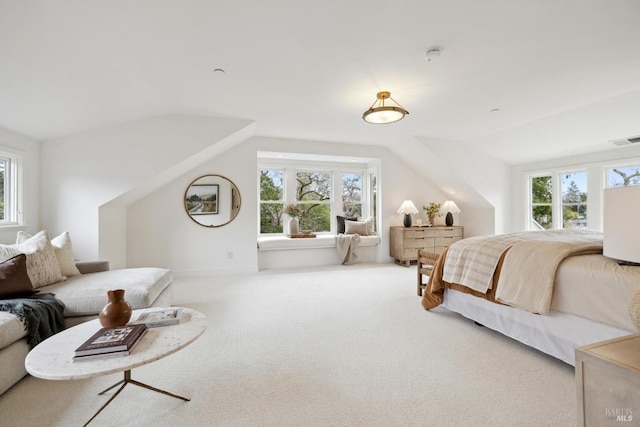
(313, 196)
(9, 164)
(271, 200)
(352, 194)
(321, 189)
(623, 176)
(547, 204)
(574, 200)
(541, 209)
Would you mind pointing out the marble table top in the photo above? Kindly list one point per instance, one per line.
(52, 359)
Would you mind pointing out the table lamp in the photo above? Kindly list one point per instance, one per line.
(449, 208)
(407, 208)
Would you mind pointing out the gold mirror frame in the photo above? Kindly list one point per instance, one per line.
(212, 200)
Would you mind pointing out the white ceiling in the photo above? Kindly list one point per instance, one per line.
(564, 74)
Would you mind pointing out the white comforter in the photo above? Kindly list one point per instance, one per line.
(529, 271)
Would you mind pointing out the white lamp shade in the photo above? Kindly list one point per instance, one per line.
(449, 206)
(621, 239)
(408, 207)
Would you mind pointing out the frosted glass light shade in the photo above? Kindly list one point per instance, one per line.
(621, 225)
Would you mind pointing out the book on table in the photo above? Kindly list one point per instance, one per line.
(109, 340)
(164, 317)
(109, 354)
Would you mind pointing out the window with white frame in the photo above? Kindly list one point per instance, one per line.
(271, 200)
(9, 203)
(321, 193)
(574, 199)
(541, 202)
(555, 196)
(623, 176)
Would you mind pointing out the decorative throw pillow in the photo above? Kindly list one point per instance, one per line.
(341, 220)
(370, 228)
(355, 227)
(14, 280)
(63, 250)
(42, 264)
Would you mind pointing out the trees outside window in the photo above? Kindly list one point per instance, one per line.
(313, 196)
(574, 200)
(320, 192)
(541, 202)
(623, 176)
(352, 194)
(271, 200)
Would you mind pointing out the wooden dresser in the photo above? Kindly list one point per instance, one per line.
(608, 382)
(405, 242)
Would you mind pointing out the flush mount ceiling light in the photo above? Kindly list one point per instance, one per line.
(381, 113)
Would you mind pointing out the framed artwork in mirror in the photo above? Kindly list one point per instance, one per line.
(212, 200)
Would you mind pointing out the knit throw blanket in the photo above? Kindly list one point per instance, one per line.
(41, 314)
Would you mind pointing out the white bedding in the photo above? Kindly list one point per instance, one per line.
(557, 334)
(597, 288)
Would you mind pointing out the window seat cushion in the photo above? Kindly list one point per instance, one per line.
(278, 243)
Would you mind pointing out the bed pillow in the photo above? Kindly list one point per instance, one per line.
(356, 227)
(341, 220)
(63, 250)
(42, 264)
(14, 280)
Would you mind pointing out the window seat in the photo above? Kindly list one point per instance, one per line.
(277, 243)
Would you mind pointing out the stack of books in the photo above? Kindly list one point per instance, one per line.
(110, 342)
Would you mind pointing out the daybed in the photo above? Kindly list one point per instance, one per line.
(82, 289)
(552, 290)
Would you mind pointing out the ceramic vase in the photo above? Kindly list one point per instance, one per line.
(117, 312)
(294, 226)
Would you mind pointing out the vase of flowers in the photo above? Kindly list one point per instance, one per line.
(432, 210)
(294, 212)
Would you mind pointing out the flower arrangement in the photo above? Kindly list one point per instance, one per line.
(292, 210)
(432, 209)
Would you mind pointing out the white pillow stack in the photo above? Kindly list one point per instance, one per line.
(62, 249)
(42, 265)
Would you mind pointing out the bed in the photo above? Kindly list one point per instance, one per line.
(552, 290)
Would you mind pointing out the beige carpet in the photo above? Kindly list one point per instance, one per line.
(339, 346)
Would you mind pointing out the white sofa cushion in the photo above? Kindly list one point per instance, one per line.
(42, 264)
(11, 329)
(86, 294)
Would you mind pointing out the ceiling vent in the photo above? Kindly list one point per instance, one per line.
(627, 141)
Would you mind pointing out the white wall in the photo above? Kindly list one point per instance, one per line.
(81, 173)
(161, 233)
(478, 183)
(29, 149)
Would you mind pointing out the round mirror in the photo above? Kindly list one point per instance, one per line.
(212, 201)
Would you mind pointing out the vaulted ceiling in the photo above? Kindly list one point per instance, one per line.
(564, 75)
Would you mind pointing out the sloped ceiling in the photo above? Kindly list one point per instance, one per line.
(565, 75)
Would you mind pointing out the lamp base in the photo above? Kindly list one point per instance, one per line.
(407, 220)
(449, 219)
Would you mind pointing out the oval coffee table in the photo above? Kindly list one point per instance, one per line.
(52, 359)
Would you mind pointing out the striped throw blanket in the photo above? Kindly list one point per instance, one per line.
(472, 262)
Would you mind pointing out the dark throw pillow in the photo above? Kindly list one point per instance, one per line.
(14, 280)
(341, 222)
